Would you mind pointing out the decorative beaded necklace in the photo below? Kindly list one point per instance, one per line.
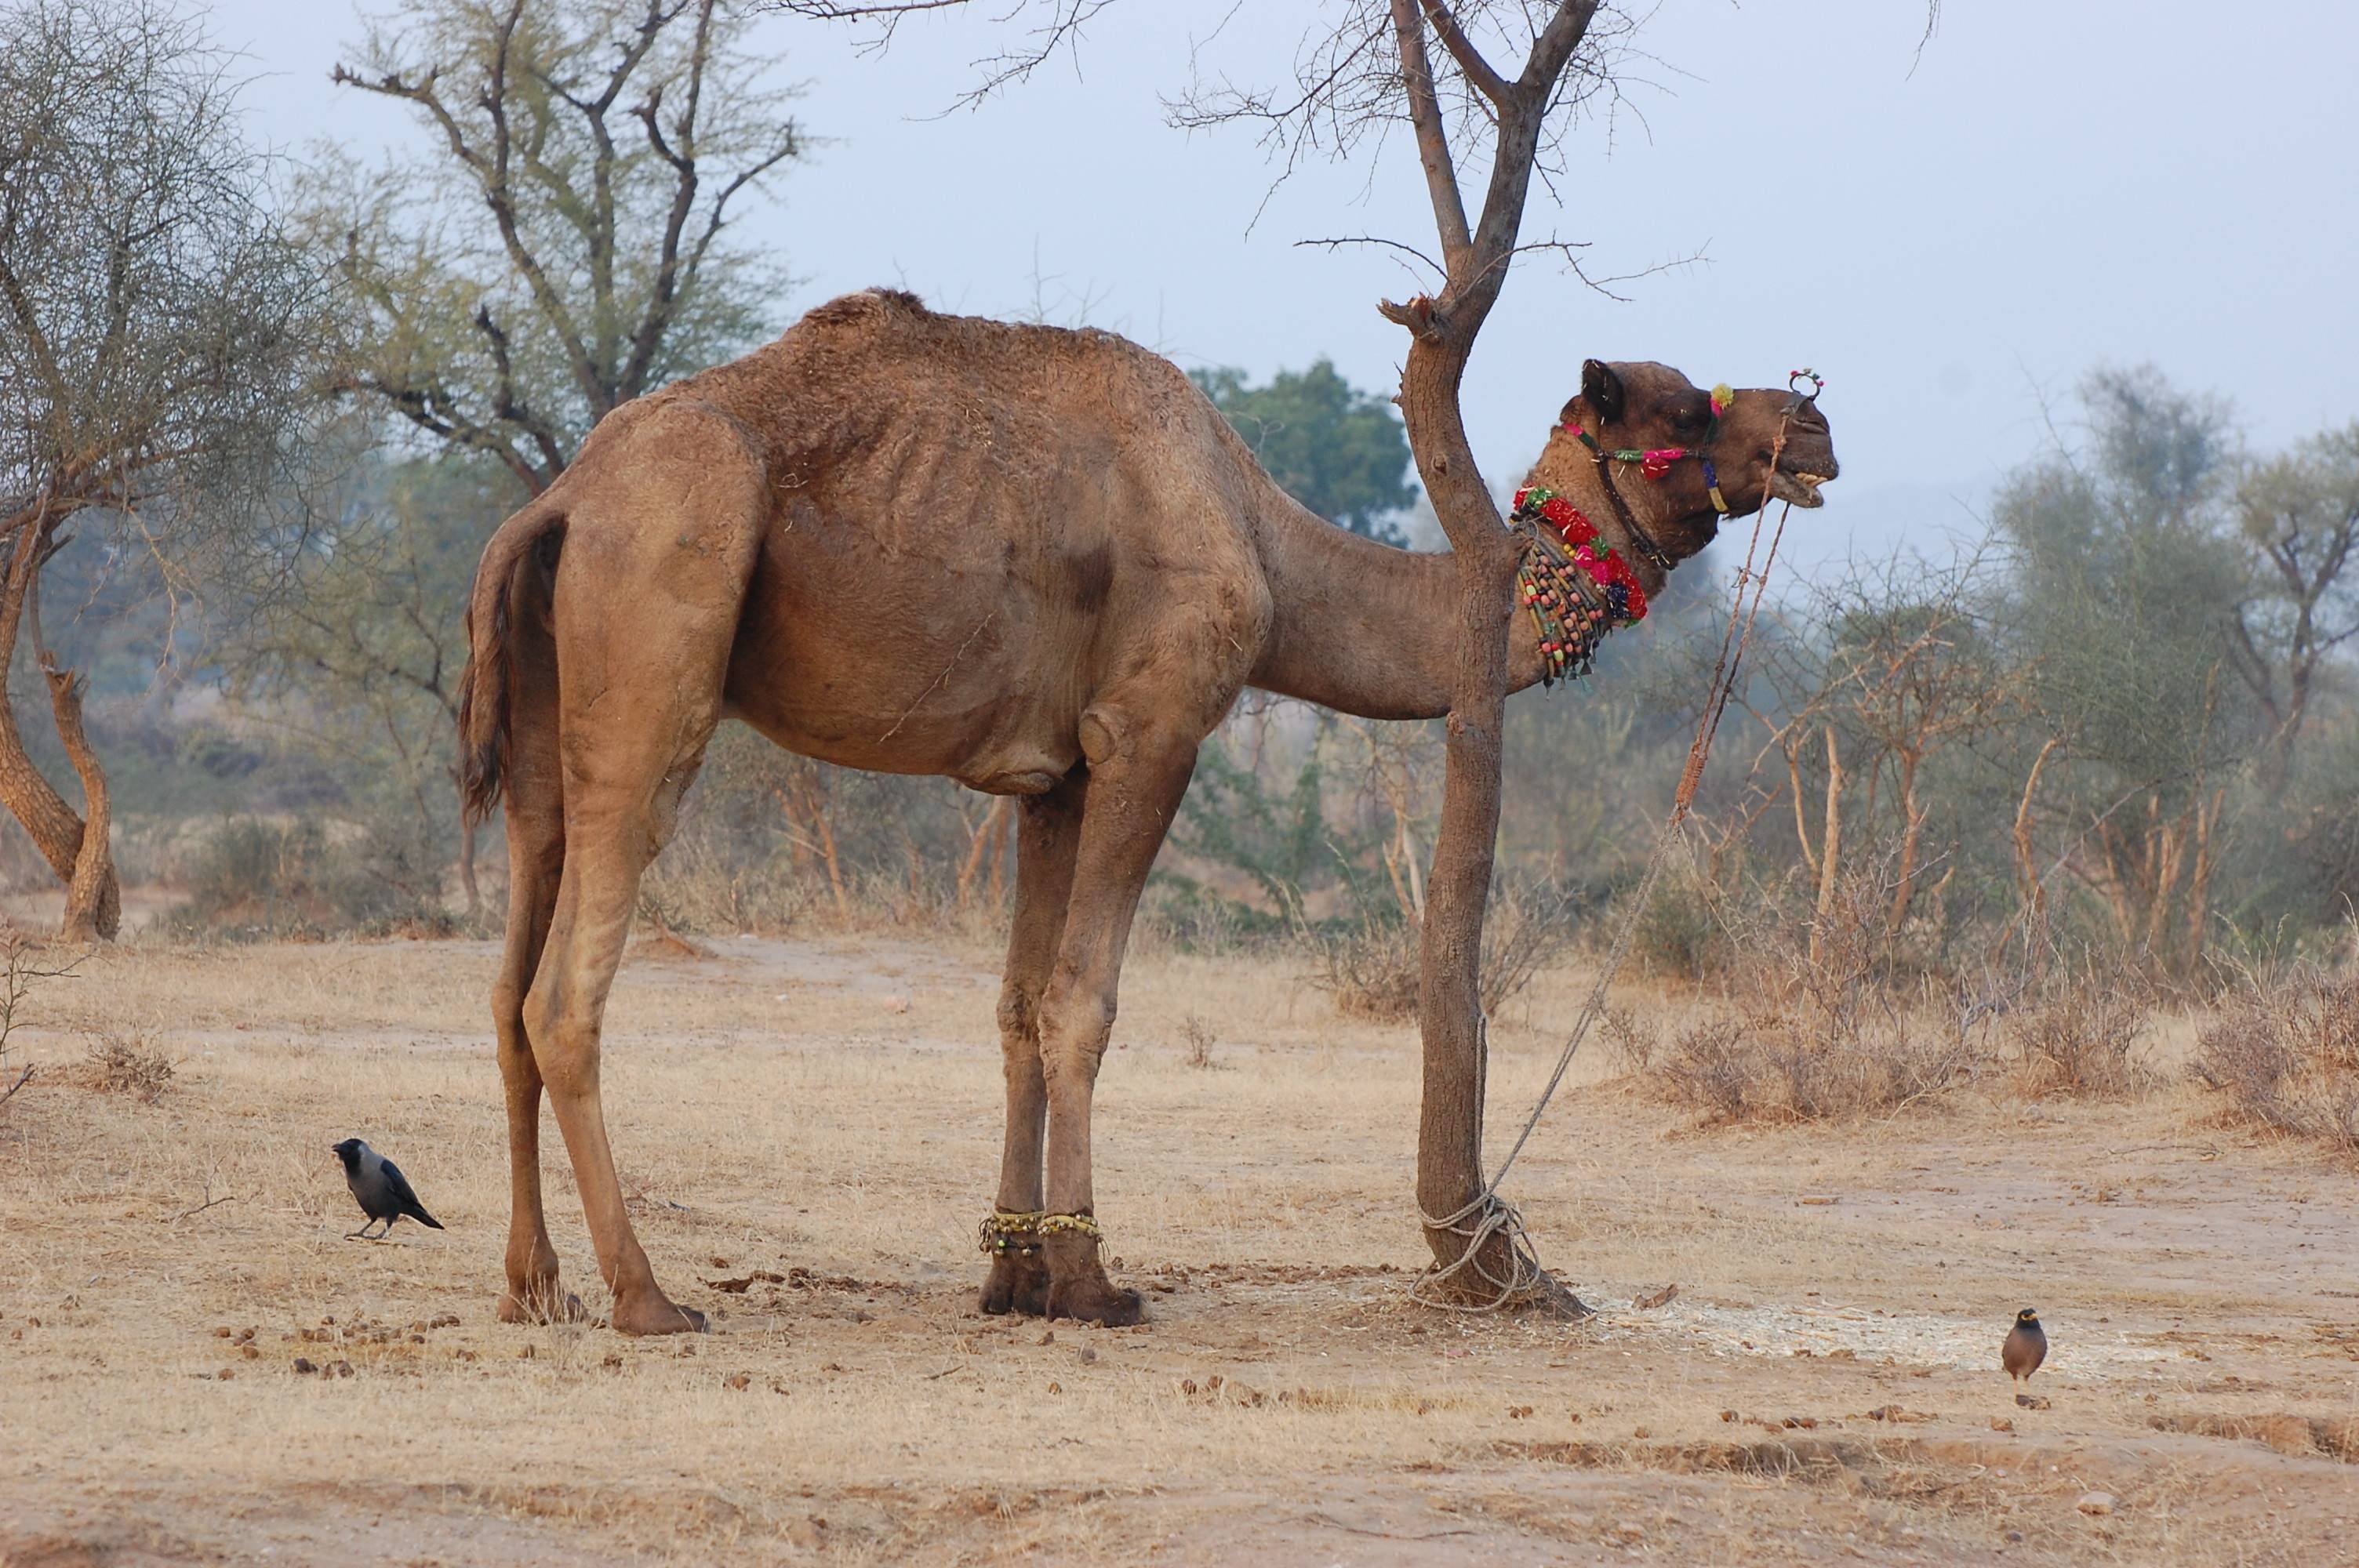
(1577, 588)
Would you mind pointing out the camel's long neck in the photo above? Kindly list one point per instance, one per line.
(1361, 627)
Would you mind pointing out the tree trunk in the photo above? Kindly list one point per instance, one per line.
(2033, 888)
(83, 861)
(93, 894)
(1450, 1011)
(1449, 1179)
(1829, 850)
(1911, 841)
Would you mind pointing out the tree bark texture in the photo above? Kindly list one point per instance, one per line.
(79, 854)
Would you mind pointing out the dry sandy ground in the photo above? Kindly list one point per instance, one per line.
(821, 1118)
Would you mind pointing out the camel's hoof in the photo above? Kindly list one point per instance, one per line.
(1078, 1286)
(539, 1303)
(1098, 1301)
(656, 1314)
(1019, 1283)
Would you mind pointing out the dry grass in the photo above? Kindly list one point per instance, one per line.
(1199, 1039)
(2285, 1051)
(820, 1121)
(126, 1062)
(1757, 1064)
(2087, 1039)
(1372, 969)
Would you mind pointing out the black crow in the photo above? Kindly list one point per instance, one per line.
(383, 1192)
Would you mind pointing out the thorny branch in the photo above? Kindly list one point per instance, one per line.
(1058, 28)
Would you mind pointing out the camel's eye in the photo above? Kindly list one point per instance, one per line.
(1693, 416)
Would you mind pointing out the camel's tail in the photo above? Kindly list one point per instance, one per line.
(536, 531)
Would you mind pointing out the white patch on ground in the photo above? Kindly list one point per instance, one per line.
(1872, 1336)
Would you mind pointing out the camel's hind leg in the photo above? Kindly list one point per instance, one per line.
(649, 590)
(535, 823)
(1049, 831)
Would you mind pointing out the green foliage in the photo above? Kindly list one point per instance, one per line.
(1275, 837)
(1340, 451)
(2128, 584)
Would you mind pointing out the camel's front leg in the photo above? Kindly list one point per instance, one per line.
(1137, 775)
(1049, 831)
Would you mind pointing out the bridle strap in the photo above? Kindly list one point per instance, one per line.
(1640, 540)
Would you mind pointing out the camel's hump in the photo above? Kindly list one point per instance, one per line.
(868, 305)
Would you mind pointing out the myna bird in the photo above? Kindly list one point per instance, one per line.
(382, 1191)
(2026, 1346)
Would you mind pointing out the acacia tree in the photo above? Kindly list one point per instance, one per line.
(1373, 67)
(2301, 511)
(155, 325)
(560, 245)
(2124, 615)
(564, 246)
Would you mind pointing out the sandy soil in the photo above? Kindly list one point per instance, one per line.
(810, 1130)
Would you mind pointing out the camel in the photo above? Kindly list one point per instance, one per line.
(1032, 559)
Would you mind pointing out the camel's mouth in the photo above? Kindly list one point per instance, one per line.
(1800, 487)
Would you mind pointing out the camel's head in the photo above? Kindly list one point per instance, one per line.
(1666, 440)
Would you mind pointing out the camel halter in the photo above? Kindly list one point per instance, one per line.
(1656, 463)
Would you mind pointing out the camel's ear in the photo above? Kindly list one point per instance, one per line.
(1601, 390)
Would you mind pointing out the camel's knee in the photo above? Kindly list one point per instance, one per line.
(1019, 1019)
(564, 1045)
(1073, 1034)
(507, 1011)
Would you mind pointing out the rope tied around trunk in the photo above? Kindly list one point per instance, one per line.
(1487, 1220)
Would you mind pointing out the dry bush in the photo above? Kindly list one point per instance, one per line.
(1755, 1064)
(1373, 970)
(2285, 1049)
(1679, 933)
(128, 1063)
(23, 966)
(703, 892)
(2083, 1039)
(1816, 1024)
(1528, 925)
(255, 879)
(1633, 1042)
(1198, 1037)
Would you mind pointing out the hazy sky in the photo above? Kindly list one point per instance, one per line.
(2060, 183)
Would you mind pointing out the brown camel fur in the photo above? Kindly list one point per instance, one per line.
(1036, 561)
